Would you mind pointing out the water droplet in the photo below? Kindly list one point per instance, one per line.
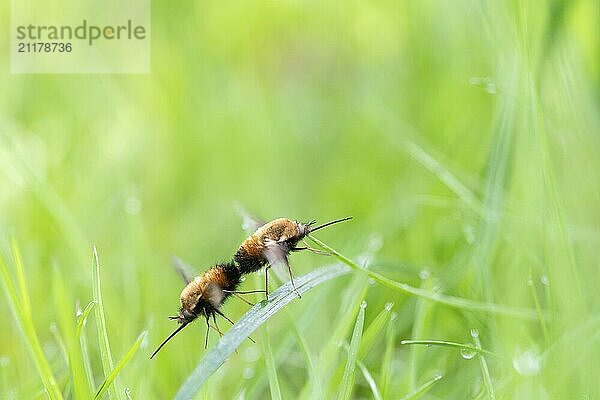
(466, 353)
(545, 281)
(437, 376)
(363, 305)
(388, 306)
(474, 333)
(424, 274)
(375, 243)
(4, 361)
(251, 354)
(485, 82)
(393, 316)
(243, 279)
(371, 281)
(133, 205)
(53, 328)
(527, 363)
(428, 345)
(490, 87)
(248, 373)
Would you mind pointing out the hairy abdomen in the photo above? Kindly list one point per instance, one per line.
(250, 256)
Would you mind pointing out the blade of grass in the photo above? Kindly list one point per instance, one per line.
(445, 343)
(18, 303)
(418, 330)
(445, 176)
(110, 379)
(270, 365)
(60, 342)
(68, 328)
(538, 308)
(20, 271)
(366, 374)
(105, 354)
(282, 348)
(421, 390)
(314, 378)
(354, 293)
(373, 331)
(388, 356)
(254, 318)
(350, 369)
(82, 340)
(369, 378)
(451, 301)
(487, 379)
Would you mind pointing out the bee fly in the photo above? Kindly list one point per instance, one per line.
(272, 242)
(204, 295)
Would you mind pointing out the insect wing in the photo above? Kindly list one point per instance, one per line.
(276, 254)
(183, 269)
(250, 223)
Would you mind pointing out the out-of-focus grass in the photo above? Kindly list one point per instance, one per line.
(463, 133)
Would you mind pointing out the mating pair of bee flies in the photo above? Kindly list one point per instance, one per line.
(270, 244)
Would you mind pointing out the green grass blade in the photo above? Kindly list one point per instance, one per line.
(105, 353)
(68, 330)
(445, 176)
(254, 318)
(120, 365)
(17, 302)
(285, 345)
(388, 356)
(373, 331)
(81, 339)
(418, 329)
(81, 320)
(451, 301)
(350, 370)
(487, 379)
(445, 343)
(87, 362)
(270, 365)
(369, 378)
(314, 378)
(538, 307)
(421, 390)
(23, 292)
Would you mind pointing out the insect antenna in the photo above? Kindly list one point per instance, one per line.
(328, 223)
(175, 332)
(231, 322)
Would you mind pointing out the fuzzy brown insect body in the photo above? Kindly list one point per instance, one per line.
(278, 236)
(204, 295)
(272, 242)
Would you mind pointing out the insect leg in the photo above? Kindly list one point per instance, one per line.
(292, 280)
(232, 323)
(216, 325)
(267, 281)
(243, 292)
(312, 250)
(243, 299)
(207, 330)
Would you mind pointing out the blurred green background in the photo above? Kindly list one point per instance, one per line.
(463, 137)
